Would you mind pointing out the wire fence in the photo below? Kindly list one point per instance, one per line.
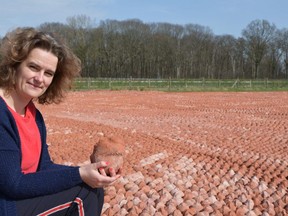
(179, 84)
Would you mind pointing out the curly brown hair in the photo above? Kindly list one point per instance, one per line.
(17, 45)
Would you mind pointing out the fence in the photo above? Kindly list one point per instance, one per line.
(179, 84)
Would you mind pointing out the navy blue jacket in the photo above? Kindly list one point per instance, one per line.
(50, 178)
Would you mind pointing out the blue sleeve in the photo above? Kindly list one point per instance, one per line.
(50, 178)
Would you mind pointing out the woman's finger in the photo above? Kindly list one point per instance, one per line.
(107, 180)
(102, 171)
(101, 164)
(112, 171)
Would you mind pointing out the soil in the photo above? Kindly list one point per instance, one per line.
(185, 153)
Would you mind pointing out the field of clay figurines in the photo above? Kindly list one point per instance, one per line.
(192, 153)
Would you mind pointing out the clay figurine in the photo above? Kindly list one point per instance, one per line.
(110, 149)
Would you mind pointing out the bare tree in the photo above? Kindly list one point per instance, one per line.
(224, 57)
(282, 42)
(241, 58)
(80, 39)
(258, 34)
(133, 37)
(198, 48)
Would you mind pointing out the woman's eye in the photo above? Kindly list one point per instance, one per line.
(33, 67)
(49, 74)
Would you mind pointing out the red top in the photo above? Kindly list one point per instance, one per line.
(30, 138)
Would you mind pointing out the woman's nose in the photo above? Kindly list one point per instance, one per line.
(39, 77)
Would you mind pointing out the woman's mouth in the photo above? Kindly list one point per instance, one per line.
(35, 86)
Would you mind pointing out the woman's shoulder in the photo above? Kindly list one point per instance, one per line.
(3, 106)
(6, 119)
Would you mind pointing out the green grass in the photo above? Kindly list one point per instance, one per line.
(180, 85)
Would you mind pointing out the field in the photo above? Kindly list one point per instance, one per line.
(193, 153)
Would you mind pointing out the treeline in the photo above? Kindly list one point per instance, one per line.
(131, 48)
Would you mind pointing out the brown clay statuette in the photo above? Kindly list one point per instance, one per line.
(110, 149)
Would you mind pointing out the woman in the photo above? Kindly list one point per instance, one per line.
(37, 66)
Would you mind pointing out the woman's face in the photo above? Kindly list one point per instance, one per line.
(35, 73)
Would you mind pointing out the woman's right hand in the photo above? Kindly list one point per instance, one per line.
(94, 175)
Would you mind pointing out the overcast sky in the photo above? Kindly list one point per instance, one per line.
(222, 16)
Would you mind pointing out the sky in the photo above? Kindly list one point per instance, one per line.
(221, 16)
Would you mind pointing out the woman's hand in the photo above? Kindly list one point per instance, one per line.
(95, 176)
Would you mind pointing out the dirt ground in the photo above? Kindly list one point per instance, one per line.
(186, 153)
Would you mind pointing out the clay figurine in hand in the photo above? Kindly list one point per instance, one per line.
(110, 149)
